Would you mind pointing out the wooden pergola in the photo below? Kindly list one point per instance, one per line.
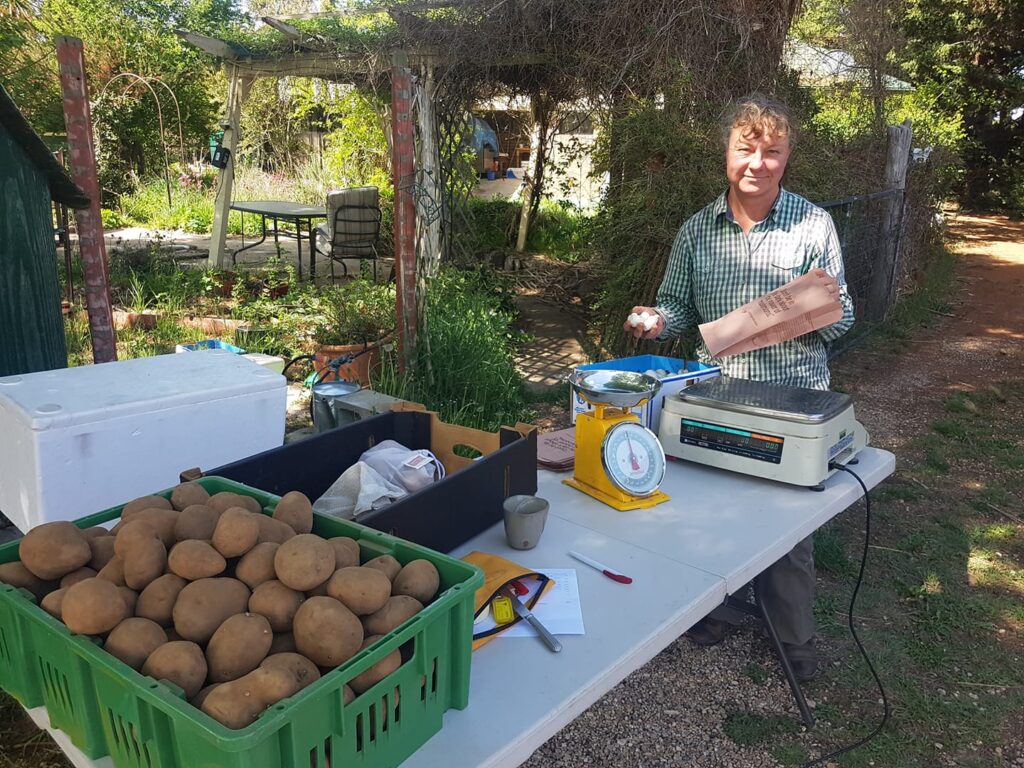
(311, 57)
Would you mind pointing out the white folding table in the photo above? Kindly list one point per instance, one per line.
(717, 532)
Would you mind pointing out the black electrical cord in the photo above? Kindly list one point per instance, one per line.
(853, 600)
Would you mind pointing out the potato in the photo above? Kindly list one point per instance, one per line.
(362, 590)
(348, 694)
(273, 530)
(203, 605)
(194, 559)
(284, 642)
(225, 500)
(144, 502)
(257, 565)
(144, 561)
(179, 662)
(163, 521)
(157, 600)
(77, 575)
(366, 680)
(95, 532)
(17, 575)
(318, 591)
(131, 599)
(236, 533)
(133, 640)
(346, 551)
(53, 602)
(51, 550)
(305, 671)
(238, 646)
(196, 522)
(102, 548)
(386, 564)
(113, 571)
(172, 634)
(238, 703)
(326, 631)
(131, 532)
(92, 607)
(296, 510)
(419, 579)
(277, 603)
(197, 700)
(397, 610)
(186, 494)
(304, 561)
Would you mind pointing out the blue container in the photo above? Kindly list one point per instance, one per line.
(683, 374)
(200, 346)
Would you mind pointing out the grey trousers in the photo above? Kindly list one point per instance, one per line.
(787, 588)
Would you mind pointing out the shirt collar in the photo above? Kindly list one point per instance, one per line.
(721, 205)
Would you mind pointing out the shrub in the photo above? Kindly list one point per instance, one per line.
(465, 369)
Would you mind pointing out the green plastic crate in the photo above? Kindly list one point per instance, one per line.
(106, 707)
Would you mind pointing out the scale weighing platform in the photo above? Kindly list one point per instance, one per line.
(782, 433)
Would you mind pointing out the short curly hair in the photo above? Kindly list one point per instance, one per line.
(758, 115)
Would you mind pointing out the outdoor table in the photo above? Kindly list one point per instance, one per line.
(686, 555)
(302, 216)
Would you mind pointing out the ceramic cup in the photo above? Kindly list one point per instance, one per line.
(525, 517)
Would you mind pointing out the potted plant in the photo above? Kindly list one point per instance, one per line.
(356, 318)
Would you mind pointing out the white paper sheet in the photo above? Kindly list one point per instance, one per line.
(559, 610)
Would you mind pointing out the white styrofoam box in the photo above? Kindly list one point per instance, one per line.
(273, 362)
(80, 440)
(649, 412)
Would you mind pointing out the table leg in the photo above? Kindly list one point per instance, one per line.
(757, 610)
(312, 252)
(298, 242)
(263, 229)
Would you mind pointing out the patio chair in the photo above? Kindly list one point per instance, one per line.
(352, 228)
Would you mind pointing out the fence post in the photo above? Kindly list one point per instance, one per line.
(238, 90)
(884, 274)
(93, 250)
(403, 169)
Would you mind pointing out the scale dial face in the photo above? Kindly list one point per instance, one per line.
(633, 458)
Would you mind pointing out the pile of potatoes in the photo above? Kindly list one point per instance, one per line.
(237, 608)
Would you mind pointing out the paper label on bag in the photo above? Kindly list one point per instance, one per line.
(417, 461)
(807, 304)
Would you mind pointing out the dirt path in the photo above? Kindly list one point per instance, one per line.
(982, 343)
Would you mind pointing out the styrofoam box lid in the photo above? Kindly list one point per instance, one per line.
(68, 397)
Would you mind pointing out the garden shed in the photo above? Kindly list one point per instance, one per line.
(30, 312)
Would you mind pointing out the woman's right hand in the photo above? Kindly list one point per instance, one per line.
(639, 331)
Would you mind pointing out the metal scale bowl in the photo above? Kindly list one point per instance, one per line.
(618, 460)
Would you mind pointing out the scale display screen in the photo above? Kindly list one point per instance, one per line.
(739, 442)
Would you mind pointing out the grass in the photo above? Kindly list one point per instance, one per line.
(941, 610)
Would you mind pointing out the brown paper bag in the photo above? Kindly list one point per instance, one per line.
(800, 306)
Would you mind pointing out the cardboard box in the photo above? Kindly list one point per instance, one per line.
(80, 439)
(650, 412)
(441, 516)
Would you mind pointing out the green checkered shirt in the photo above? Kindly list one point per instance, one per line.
(714, 268)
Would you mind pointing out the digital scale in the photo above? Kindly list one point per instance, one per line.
(618, 460)
(783, 433)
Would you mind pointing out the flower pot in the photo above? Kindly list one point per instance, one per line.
(360, 367)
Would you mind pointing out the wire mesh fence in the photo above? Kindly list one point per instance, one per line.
(869, 228)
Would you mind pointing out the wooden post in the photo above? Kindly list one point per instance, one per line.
(428, 219)
(238, 89)
(885, 272)
(78, 121)
(403, 170)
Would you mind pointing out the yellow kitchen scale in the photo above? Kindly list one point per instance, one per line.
(618, 460)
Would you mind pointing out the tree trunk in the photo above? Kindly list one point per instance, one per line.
(533, 188)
